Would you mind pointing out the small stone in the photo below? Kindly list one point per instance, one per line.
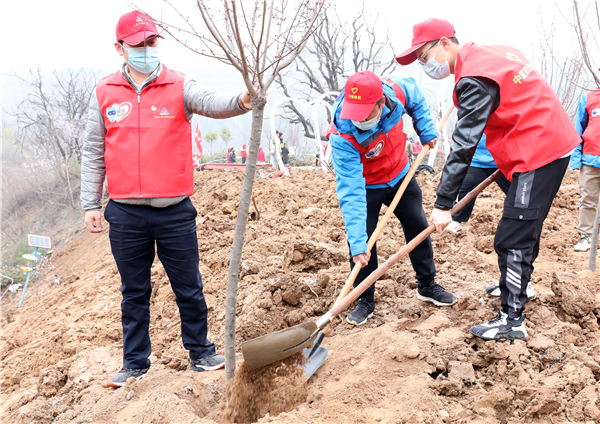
(298, 256)
(444, 415)
(130, 395)
(412, 352)
(352, 362)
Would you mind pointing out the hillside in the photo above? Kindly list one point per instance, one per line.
(413, 363)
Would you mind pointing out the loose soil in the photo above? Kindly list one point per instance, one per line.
(412, 363)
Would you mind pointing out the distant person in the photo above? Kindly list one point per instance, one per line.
(530, 137)
(261, 155)
(285, 153)
(586, 157)
(145, 160)
(232, 157)
(416, 149)
(317, 154)
(370, 165)
(227, 155)
(273, 149)
(244, 153)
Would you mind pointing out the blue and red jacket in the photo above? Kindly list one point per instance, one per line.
(350, 156)
(587, 125)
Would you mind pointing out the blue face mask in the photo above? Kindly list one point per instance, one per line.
(143, 59)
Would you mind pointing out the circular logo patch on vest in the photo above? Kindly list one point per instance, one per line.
(153, 108)
(375, 151)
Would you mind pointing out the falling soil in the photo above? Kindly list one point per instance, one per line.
(272, 389)
(411, 363)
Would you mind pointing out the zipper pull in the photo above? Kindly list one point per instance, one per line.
(138, 98)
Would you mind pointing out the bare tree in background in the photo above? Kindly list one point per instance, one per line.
(577, 70)
(51, 120)
(259, 42)
(336, 50)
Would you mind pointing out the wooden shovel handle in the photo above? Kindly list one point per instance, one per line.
(344, 303)
(390, 210)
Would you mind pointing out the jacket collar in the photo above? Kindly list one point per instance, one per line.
(159, 77)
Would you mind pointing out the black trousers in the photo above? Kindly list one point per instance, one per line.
(243, 159)
(517, 240)
(474, 177)
(134, 231)
(412, 218)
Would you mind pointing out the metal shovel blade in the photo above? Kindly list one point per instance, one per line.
(279, 345)
(315, 359)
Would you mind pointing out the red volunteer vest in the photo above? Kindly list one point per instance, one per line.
(530, 127)
(148, 147)
(384, 157)
(591, 135)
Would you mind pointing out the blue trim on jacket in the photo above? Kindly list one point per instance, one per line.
(483, 158)
(350, 182)
(581, 123)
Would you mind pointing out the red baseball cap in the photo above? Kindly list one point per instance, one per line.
(363, 90)
(134, 27)
(430, 30)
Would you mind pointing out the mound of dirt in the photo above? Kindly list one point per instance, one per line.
(412, 363)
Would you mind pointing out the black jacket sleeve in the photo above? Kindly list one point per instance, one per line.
(477, 99)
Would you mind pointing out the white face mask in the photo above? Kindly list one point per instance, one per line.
(435, 69)
(367, 125)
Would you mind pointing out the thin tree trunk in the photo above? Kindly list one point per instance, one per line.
(258, 105)
(594, 246)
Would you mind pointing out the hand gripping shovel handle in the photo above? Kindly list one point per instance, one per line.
(342, 305)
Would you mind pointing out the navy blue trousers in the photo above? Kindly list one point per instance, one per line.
(134, 233)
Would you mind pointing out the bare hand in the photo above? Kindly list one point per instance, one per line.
(441, 219)
(363, 258)
(246, 98)
(93, 221)
(432, 143)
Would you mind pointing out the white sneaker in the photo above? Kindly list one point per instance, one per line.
(494, 290)
(583, 245)
(454, 227)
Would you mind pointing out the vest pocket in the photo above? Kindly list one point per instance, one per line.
(516, 228)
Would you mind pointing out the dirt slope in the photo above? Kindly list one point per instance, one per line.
(413, 363)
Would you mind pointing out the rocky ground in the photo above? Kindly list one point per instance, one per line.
(412, 363)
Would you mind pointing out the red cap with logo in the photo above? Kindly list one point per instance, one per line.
(363, 90)
(430, 30)
(134, 27)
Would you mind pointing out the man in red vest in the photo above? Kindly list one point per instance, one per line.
(370, 163)
(140, 139)
(244, 153)
(587, 158)
(529, 136)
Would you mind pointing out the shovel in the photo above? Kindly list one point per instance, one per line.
(281, 344)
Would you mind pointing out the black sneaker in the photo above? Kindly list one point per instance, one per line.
(360, 315)
(501, 327)
(120, 379)
(209, 363)
(436, 294)
(494, 290)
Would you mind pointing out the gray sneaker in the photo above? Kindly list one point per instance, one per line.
(209, 363)
(120, 379)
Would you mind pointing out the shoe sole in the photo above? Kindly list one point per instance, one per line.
(581, 251)
(508, 336)
(359, 323)
(435, 302)
(201, 369)
(111, 383)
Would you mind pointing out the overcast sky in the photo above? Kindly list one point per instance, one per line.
(76, 33)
